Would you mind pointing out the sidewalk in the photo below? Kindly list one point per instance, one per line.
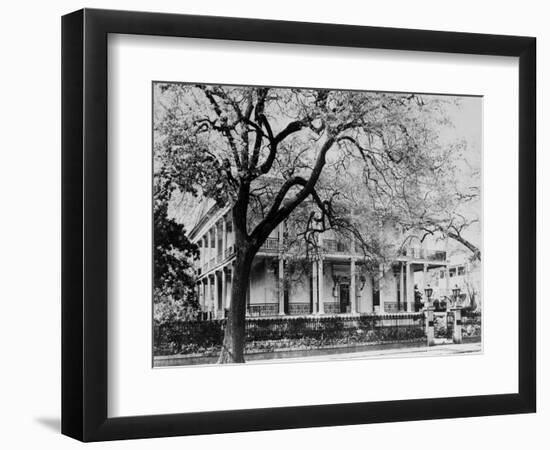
(376, 351)
(436, 350)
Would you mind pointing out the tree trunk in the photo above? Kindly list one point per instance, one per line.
(234, 337)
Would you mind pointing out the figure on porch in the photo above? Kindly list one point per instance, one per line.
(418, 303)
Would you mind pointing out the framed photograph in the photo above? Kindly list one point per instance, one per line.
(273, 224)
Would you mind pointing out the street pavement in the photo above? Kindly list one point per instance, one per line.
(436, 350)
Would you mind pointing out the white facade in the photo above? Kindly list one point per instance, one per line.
(334, 283)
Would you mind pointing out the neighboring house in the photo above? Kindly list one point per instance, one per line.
(335, 284)
(462, 275)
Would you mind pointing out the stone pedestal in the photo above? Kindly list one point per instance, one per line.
(457, 325)
(429, 318)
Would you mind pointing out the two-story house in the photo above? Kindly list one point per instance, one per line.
(334, 284)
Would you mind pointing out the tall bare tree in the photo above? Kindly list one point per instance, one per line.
(269, 152)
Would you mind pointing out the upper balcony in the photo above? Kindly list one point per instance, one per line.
(328, 246)
(335, 247)
(271, 245)
(422, 254)
(341, 248)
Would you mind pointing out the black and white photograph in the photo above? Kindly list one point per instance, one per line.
(306, 224)
(245, 225)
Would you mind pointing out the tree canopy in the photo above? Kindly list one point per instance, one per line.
(370, 166)
(364, 155)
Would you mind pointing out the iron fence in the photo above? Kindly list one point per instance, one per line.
(202, 336)
(471, 323)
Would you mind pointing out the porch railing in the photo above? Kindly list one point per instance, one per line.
(299, 308)
(331, 307)
(394, 307)
(263, 309)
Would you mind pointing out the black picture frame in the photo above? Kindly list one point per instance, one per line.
(84, 224)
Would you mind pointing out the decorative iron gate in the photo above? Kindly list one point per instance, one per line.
(443, 327)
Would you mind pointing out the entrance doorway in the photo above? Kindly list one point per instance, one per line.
(344, 298)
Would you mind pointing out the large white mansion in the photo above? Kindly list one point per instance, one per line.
(334, 285)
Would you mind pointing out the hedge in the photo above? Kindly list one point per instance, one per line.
(205, 337)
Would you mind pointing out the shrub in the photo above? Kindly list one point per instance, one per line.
(206, 337)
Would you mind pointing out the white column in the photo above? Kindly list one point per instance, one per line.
(281, 284)
(380, 297)
(401, 285)
(224, 290)
(372, 279)
(201, 255)
(208, 298)
(247, 296)
(216, 299)
(229, 293)
(320, 284)
(209, 242)
(352, 295)
(447, 282)
(314, 274)
(233, 232)
(410, 287)
(216, 241)
(224, 237)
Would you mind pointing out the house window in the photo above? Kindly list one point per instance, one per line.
(452, 272)
(376, 292)
(341, 247)
(461, 270)
(441, 274)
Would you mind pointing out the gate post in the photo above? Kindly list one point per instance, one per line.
(430, 326)
(457, 325)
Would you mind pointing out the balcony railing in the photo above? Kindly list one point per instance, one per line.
(334, 246)
(270, 245)
(423, 253)
(229, 251)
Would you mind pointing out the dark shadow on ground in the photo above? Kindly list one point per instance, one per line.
(52, 423)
